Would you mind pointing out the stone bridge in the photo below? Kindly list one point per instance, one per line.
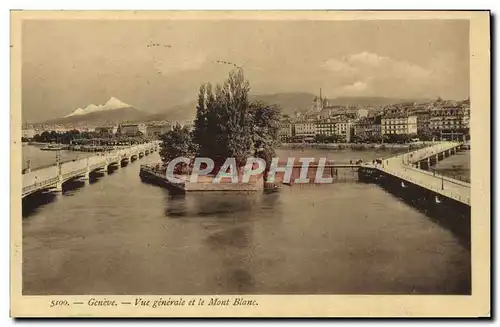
(410, 168)
(52, 178)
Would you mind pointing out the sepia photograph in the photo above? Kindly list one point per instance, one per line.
(197, 159)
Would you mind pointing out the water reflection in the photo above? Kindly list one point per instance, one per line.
(175, 204)
(232, 237)
(33, 202)
(214, 204)
(453, 217)
(225, 220)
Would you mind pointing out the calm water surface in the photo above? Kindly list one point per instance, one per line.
(40, 158)
(121, 236)
(456, 166)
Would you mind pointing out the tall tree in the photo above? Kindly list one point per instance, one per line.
(223, 120)
(227, 125)
(200, 132)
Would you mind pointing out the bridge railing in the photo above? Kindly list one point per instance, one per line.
(40, 177)
(36, 186)
(424, 153)
(438, 176)
(453, 195)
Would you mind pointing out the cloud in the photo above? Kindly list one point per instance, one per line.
(368, 58)
(367, 73)
(337, 65)
(356, 88)
(370, 63)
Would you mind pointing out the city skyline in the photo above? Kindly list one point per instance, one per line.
(155, 65)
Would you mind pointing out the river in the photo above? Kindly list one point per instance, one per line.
(121, 236)
(456, 166)
(40, 158)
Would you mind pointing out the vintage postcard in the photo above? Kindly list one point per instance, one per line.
(250, 164)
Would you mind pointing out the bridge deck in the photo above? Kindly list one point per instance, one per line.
(445, 186)
(53, 175)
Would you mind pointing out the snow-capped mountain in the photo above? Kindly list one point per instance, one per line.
(112, 104)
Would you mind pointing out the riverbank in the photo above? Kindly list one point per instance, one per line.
(155, 175)
(353, 146)
(89, 148)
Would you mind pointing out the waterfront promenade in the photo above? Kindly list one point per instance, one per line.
(52, 178)
(406, 167)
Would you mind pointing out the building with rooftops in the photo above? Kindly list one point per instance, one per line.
(398, 123)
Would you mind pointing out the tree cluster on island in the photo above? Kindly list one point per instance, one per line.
(227, 125)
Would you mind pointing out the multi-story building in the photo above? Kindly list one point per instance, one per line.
(344, 129)
(368, 127)
(353, 112)
(155, 130)
(447, 118)
(399, 108)
(305, 129)
(326, 127)
(450, 119)
(398, 123)
(285, 131)
(466, 114)
(423, 113)
(132, 129)
(339, 125)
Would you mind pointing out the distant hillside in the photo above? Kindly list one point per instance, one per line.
(182, 112)
(370, 101)
(289, 103)
(103, 117)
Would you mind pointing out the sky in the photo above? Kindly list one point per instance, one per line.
(68, 64)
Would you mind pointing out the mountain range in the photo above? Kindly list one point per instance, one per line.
(112, 104)
(115, 111)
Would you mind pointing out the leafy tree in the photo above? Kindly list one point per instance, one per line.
(201, 134)
(176, 143)
(223, 120)
(45, 136)
(265, 130)
(334, 138)
(398, 138)
(425, 135)
(227, 124)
